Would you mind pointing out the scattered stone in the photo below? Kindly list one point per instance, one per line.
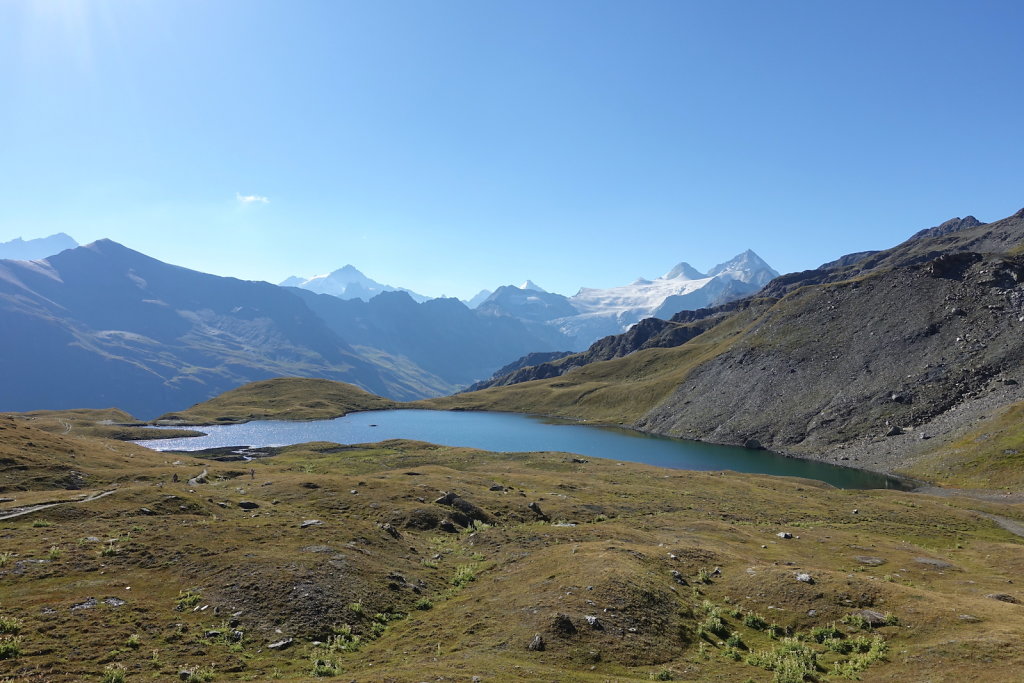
(146, 511)
(784, 534)
(594, 623)
(236, 635)
(537, 644)
(317, 549)
(353, 492)
(871, 617)
(804, 578)
(248, 505)
(580, 461)
(680, 579)
(562, 624)
(446, 525)
(868, 560)
(856, 511)
(535, 509)
(309, 485)
(812, 612)
(88, 603)
(200, 479)
(185, 674)
(114, 602)
(280, 645)
(969, 618)
(222, 504)
(717, 571)
(894, 431)
(310, 522)
(1003, 597)
(497, 487)
(213, 633)
(924, 437)
(91, 539)
(931, 562)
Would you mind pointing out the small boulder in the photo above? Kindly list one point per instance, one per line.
(805, 578)
(594, 623)
(537, 644)
(784, 534)
(932, 562)
(281, 644)
(248, 505)
(390, 530)
(562, 624)
(1003, 597)
(535, 509)
(310, 522)
(872, 617)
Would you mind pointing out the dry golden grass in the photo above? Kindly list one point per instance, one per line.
(616, 533)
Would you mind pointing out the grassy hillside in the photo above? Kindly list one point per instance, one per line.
(284, 398)
(618, 391)
(992, 454)
(682, 573)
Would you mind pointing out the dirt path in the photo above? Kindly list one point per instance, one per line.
(43, 506)
(1011, 525)
(986, 495)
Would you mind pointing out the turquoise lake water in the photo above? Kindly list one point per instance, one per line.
(512, 432)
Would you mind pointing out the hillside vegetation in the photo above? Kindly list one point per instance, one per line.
(404, 561)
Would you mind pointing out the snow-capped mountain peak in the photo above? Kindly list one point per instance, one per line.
(347, 282)
(530, 284)
(685, 271)
(746, 267)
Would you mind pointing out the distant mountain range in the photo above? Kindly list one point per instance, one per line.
(41, 247)
(576, 322)
(103, 325)
(594, 313)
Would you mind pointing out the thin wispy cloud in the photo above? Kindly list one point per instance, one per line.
(252, 198)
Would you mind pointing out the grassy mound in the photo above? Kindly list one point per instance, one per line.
(284, 398)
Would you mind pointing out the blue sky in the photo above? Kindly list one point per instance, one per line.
(453, 145)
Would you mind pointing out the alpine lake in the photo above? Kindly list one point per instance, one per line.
(517, 433)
